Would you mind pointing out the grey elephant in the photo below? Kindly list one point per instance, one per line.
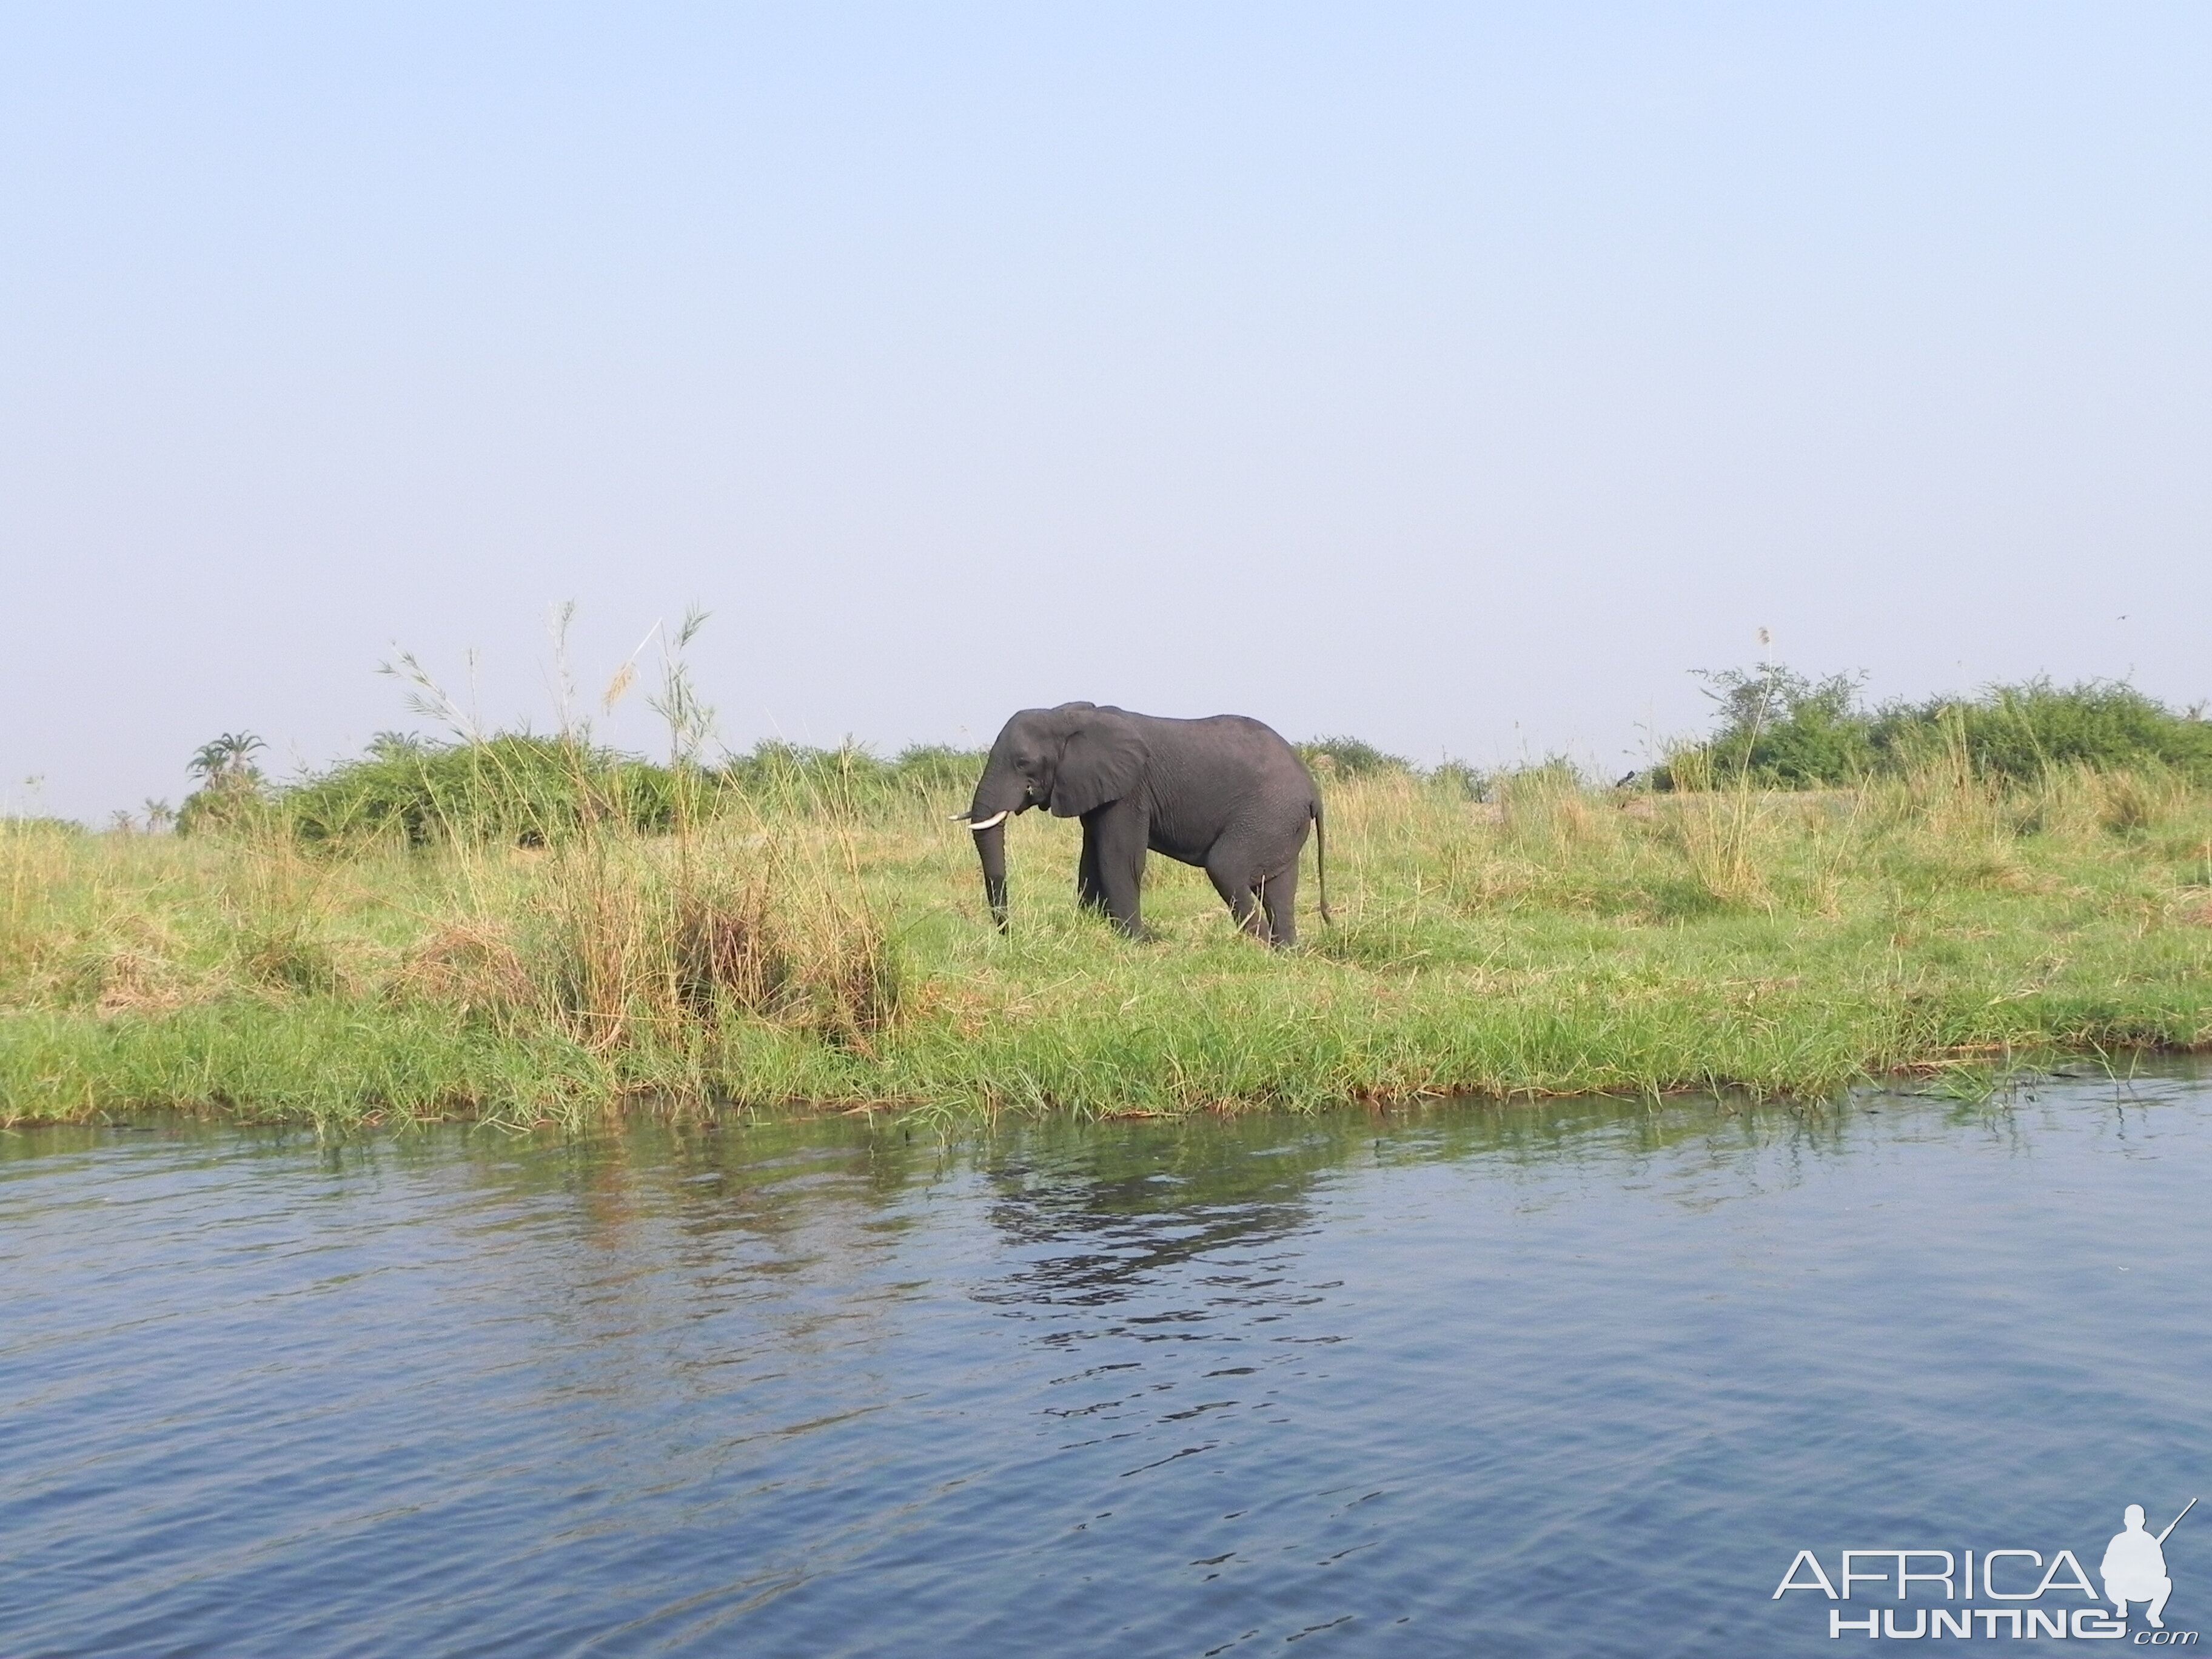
(1226, 794)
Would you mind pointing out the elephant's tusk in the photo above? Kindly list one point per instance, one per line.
(992, 822)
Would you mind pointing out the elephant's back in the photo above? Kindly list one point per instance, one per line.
(1222, 773)
(1253, 747)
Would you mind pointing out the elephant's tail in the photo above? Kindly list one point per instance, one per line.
(1321, 860)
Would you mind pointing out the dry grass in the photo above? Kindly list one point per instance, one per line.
(835, 952)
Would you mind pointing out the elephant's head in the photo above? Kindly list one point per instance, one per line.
(1070, 759)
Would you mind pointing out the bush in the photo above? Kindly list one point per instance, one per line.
(2024, 731)
(937, 766)
(850, 776)
(226, 807)
(1781, 730)
(532, 791)
(1460, 782)
(1350, 758)
(516, 788)
(40, 826)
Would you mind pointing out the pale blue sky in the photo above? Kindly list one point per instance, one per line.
(1458, 377)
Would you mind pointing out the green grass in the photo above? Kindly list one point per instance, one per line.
(805, 947)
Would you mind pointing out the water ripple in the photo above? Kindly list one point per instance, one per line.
(1578, 1378)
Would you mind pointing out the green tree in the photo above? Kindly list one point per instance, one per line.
(232, 789)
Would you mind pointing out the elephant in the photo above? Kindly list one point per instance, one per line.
(1226, 794)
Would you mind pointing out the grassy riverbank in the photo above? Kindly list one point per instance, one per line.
(800, 949)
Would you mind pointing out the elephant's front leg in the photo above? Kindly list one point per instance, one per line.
(1115, 840)
(1089, 893)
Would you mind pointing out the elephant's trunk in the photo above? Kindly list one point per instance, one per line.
(1000, 793)
(991, 847)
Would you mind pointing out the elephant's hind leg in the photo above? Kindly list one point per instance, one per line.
(1278, 898)
(1258, 878)
(1241, 894)
(1239, 888)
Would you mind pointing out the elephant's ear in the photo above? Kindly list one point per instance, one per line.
(1103, 757)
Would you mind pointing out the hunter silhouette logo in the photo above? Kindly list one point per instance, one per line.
(2133, 1570)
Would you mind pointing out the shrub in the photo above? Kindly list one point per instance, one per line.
(533, 790)
(517, 788)
(2024, 731)
(1458, 781)
(40, 826)
(1779, 729)
(1350, 758)
(850, 776)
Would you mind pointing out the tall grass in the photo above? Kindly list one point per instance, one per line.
(816, 935)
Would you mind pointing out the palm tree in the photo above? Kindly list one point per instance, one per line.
(225, 763)
(396, 745)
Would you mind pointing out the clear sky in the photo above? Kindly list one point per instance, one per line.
(1457, 377)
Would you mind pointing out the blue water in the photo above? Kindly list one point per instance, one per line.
(1572, 1378)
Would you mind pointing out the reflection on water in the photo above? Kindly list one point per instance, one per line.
(1574, 1377)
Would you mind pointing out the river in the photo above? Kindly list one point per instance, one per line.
(1574, 1377)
